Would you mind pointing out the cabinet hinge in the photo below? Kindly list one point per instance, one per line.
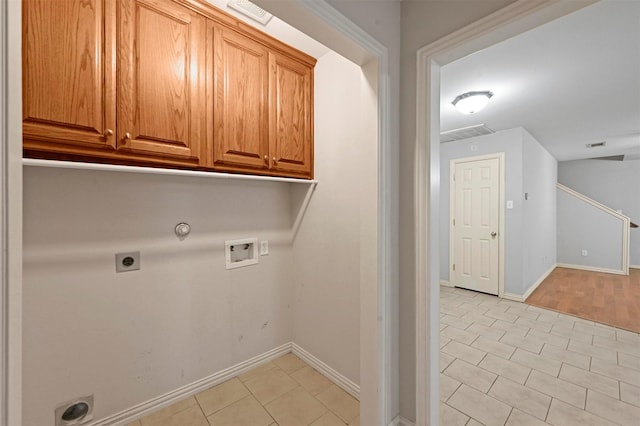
(454, 266)
(454, 222)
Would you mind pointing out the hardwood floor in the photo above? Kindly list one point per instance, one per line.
(605, 298)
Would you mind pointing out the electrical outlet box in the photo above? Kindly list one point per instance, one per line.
(264, 248)
(239, 253)
(126, 262)
(585, 253)
(75, 412)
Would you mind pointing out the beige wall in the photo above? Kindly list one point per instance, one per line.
(326, 250)
(133, 336)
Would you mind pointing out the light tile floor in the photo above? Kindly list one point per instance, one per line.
(501, 363)
(508, 363)
(284, 392)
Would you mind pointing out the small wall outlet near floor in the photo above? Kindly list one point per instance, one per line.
(126, 262)
(75, 412)
(584, 253)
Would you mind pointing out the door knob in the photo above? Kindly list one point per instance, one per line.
(493, 235)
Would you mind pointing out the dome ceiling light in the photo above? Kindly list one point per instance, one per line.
(472, 102)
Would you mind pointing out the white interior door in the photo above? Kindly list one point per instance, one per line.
(476, 224)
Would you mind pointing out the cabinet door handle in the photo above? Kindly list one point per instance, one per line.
(127, 136)
(266, 160)
(275, 161)
(108, 132)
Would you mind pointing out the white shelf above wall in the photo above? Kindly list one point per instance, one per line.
(30, 162)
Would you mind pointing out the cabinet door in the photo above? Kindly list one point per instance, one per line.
(291, 133)
(68, 58)
(240, 112)
(161, 80)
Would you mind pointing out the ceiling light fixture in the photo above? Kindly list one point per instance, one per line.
(472, 102)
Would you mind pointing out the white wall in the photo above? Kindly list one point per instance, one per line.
(423, 22)
(326, 250)
(133, 336)
(612, 183)
(382, 20)
(539, 177)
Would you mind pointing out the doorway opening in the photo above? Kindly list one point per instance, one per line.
(512, 20)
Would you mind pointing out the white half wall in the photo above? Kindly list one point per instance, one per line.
(589, 237)
(615, 184)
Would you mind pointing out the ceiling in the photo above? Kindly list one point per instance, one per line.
(571, 82)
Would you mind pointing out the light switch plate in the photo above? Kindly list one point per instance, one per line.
(509, 204)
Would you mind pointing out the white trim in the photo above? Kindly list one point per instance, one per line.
(131, 414)
(31, 162)
(4, 223)
(525, 296)
(591, 201)
(337, 20)
(507, 22)
(500, 156)
(339, 379)
(592, 269)
(535, 285)
(634, 266)
(446, 283)
(401, 421)
(626, 227)
(11, 207)
(136, 412)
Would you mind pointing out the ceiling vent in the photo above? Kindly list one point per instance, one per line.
(596, 145)
(610, 158)
(251, 10)
(465, 133)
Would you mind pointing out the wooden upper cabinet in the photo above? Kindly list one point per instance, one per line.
(161, 80)
(291, 125)
(68, 68)
(176, 83)
(240, 101)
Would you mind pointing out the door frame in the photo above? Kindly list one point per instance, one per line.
(11, 213)
(500, 156)
(376, 329)
(513, 19)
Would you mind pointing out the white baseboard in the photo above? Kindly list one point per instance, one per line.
(131, 414)
(401, 421)
(634, 266)
(522, 298)
(339, 379)
(513, 296)
(538, 282)
(592, 269)
(446, 283)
